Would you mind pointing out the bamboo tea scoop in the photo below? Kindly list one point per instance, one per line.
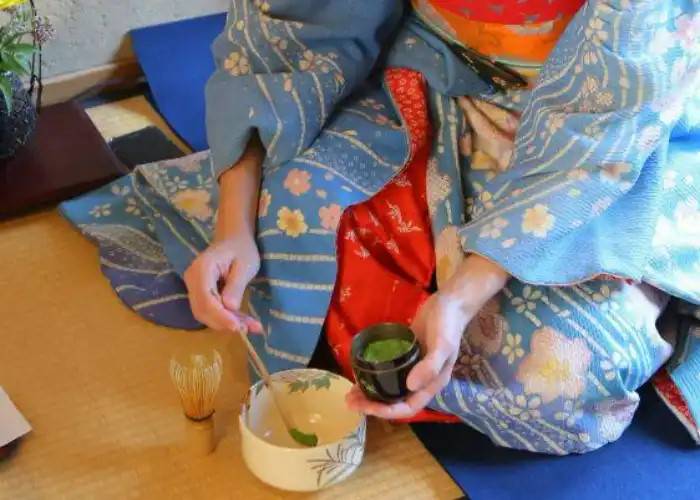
(300, 437)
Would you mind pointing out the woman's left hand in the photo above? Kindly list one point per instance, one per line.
(439, 325)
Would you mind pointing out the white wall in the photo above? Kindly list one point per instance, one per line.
(92, 32)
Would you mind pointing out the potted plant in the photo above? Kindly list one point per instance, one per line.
(22, 34)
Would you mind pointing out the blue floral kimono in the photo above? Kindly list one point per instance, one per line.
(602, 189)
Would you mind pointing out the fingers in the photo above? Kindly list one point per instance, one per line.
(232, 294)
(428, 369)
(440, 334)
(352, 397)
(201, 281)
(421, 398)
(213, 314)
(356, 401)
(442, 344)
(417, 401)
(208, 306)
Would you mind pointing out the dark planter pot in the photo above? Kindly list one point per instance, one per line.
(17, 126)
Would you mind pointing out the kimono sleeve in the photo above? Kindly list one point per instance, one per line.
(282, 68)
(582, 194)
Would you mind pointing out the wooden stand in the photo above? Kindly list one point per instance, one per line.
(65, 157)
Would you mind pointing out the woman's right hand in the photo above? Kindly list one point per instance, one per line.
(216, 281)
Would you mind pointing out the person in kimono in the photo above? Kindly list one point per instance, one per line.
(516, 180)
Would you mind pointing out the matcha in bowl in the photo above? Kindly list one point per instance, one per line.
(383, 350)
(382, 357)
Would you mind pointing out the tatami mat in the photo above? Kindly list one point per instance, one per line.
(92, 379)
(118, 118)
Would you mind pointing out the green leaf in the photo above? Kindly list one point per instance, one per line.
(24, 62)
(23, 49)
(14, 39)
(322, 382)
(5, 35)
(6, 90)
(298, 386)
(302, 438)
(11, 63)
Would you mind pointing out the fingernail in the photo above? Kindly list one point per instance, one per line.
(253, 325)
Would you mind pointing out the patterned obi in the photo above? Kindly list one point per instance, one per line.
(520, 33)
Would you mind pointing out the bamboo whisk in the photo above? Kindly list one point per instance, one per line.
(197, 382)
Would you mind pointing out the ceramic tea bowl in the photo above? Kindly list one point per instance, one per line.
(314, 402)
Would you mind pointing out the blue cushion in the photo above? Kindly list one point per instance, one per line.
(177, 61)
(655, 458)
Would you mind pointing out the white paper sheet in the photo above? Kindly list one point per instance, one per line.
(12, 424)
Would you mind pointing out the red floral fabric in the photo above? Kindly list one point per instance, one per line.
(671, 395)
(386, 260)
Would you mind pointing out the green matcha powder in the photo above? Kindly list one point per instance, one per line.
(381, 351)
